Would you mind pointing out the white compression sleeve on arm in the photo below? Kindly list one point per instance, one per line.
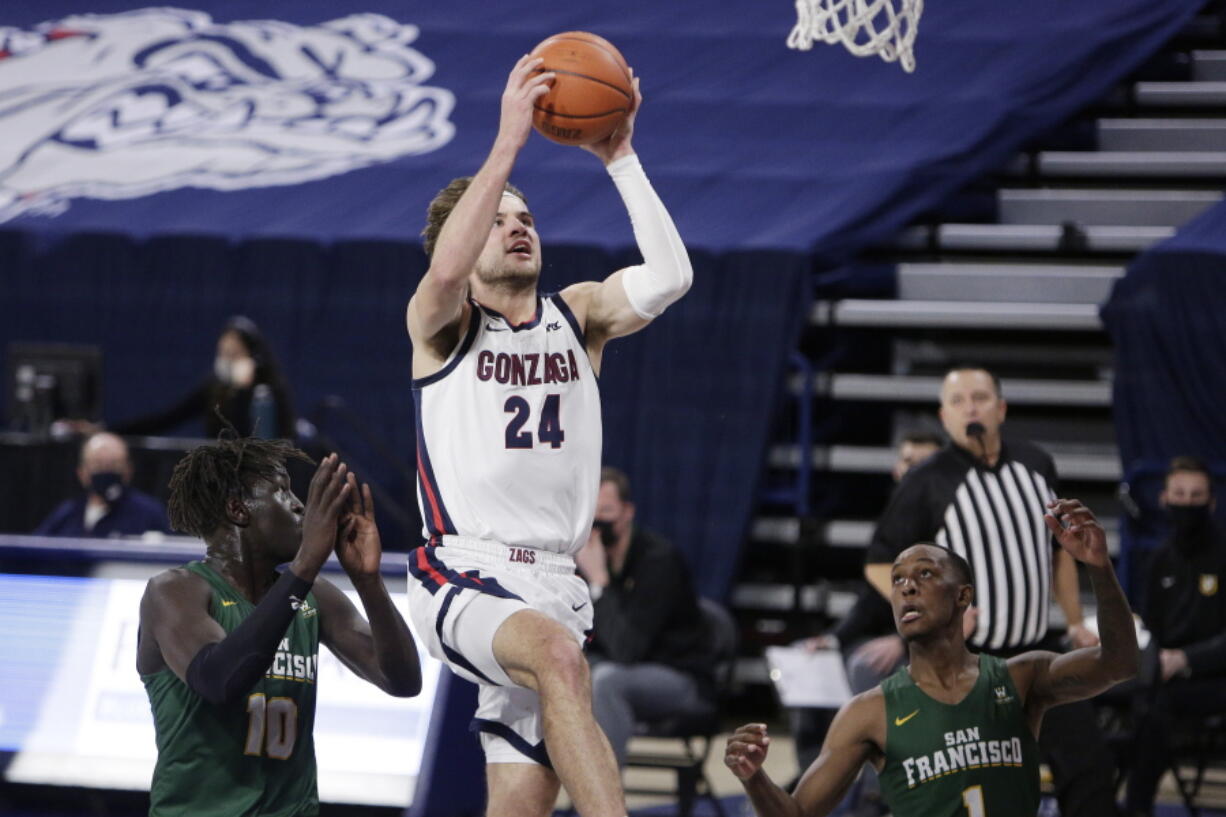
(665, 274)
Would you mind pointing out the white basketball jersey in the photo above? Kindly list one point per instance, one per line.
(509, 433)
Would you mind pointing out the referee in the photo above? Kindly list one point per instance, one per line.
(984, 499)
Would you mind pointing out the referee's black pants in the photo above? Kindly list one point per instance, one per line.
(1073, 748)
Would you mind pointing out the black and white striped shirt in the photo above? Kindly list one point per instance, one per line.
(992, 517)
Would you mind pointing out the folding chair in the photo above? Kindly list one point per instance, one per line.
(696, 730)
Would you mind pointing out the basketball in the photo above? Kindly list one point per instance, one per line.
(591, 94)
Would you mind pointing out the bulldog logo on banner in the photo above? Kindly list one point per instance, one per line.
(116, 106)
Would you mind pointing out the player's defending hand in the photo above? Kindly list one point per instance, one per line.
(617, 144)
(325, 498)
(358, 546)
(746, 750)
(523, 89)
(1077, 531)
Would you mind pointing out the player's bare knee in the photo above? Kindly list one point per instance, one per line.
(563, 667)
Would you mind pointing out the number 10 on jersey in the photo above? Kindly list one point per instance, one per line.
(548, 429)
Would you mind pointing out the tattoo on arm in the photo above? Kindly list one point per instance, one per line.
(1086, 672)
(1116, 630)
(1071, 685)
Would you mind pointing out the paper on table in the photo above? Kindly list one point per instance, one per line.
(808, 679)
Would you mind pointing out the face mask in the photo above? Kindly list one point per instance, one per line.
(1191, 524)
(607, 537)
(234, 372)
(108, 485)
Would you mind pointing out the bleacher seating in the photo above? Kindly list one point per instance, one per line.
(1020, 292)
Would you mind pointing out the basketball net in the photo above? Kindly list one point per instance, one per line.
(865, 27)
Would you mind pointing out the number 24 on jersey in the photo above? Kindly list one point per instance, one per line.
(549, 427)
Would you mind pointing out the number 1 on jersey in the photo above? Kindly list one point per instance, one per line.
(549, 430)
(972, 798)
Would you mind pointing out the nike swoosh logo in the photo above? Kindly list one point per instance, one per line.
(901, 721)
(490, 327)
(578, 607)
(228, 603)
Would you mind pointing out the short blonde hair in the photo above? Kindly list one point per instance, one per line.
(444, 202)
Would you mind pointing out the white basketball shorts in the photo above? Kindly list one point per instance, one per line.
(460, 593)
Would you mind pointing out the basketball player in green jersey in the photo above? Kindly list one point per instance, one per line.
(954, 733)
(228, 648)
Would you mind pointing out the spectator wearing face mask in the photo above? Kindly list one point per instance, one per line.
(245, 385)
(110, 505)
(1185, 611)
(650, 650)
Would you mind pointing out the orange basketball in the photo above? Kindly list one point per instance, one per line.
(591, 94)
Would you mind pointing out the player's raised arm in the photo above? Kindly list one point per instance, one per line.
(438, 302)
(1052, 679)
(221, 667)
(380, 650)
(854, 737)
(630, 298)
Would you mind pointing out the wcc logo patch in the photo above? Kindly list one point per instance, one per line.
(117, 106)
(1002, 694)
(302, 606)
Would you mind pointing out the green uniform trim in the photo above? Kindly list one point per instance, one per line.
(976, 758)
(255, 756)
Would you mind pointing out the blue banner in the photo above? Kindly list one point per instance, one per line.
(247, 119)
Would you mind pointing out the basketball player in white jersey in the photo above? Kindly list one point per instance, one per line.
(509, 443)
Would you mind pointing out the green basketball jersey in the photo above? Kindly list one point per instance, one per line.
(255, 756)
(972, 759)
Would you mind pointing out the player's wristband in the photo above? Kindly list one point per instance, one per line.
(665, 274)
(225, 670)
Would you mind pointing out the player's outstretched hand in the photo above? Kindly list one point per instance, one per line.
(358, 546)
(325, 498)
(746, 750)
(1077, 531)
(617, 144)
(523, 89)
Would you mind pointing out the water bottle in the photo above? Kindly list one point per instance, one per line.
(263, 412)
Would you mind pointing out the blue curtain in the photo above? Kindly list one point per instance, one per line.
(687, 402)
(752, 145)
(1167, 319)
